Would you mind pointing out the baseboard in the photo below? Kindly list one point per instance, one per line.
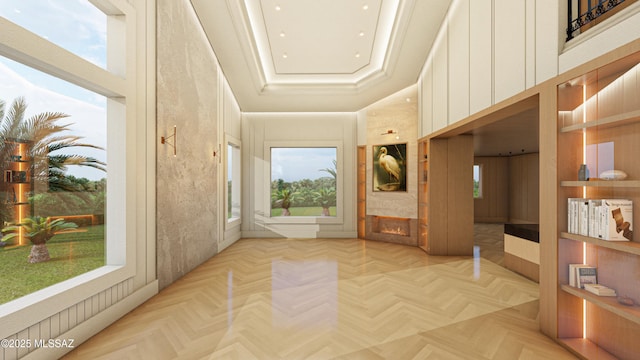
(97, 323)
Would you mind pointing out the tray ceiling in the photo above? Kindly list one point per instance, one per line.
(310, 55)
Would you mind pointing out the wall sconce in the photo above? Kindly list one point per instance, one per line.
(165, 140)
(391, 132)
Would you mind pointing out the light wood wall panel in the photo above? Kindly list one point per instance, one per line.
(459, 61)
(460, 195)
(480, 54)
(493, 206)
(524, 188)
(509, 48)
(450, 196)
(437, 197)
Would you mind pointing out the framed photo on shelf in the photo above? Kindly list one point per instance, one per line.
(390, 167)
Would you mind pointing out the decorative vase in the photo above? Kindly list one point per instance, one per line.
(583, 173)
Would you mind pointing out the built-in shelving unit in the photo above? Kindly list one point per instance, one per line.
(362, 191)
(599, 125)
(423, 191)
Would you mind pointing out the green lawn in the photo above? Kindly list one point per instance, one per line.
(71, 255)
(304, 211)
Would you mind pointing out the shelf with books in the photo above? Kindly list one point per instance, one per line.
(423, 192)
(624, 246)
(598, 129)
(609, 303)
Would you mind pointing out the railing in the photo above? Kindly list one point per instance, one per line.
(594, 9)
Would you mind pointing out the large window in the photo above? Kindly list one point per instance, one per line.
(53, 161)
(62, 116)
(304, 181)
(75, 25)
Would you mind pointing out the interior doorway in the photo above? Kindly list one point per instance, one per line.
(506, 182)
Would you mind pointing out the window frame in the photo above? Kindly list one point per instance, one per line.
(118, 82)
(266, 208)
(480, 196)
(233, 222)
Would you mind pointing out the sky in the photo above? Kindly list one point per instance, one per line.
(293, 164)
(79, 27)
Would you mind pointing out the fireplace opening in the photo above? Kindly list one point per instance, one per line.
(391, 225)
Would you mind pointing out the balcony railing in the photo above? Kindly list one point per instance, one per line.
(584, 12)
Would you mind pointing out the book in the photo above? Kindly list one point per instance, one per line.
(616, 220)
(587, 275)
(573, 273)
(600, 290)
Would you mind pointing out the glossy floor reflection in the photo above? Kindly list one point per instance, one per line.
(333, 299)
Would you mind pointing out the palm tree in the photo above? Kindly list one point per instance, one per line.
(333, 172)
(325, 197)
(45, 138)
(283, 198)
(39, 230)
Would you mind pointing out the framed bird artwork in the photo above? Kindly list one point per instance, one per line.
(390, 167)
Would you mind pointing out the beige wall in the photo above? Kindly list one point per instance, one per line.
(510, 189)
(187, 96)
(260, 131)
(394, 113)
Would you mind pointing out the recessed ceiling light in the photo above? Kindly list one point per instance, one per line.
(284, 56)
(361, 33)
(365, 7)
(277, 7)
(281, 33)
(408, 99)
(357, 54)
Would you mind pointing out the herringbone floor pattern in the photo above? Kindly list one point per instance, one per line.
(333, 299)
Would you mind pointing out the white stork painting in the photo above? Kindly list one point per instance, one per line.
(389, 167)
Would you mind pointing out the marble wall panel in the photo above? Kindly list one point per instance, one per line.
(187, 225)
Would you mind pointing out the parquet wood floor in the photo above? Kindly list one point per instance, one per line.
(333, 299)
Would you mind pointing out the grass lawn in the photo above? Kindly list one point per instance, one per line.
(304, 211)
(71, 255)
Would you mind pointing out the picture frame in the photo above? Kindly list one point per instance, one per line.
(390, 167)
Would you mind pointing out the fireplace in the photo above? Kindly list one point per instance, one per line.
(392, 229)
(391, 225)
